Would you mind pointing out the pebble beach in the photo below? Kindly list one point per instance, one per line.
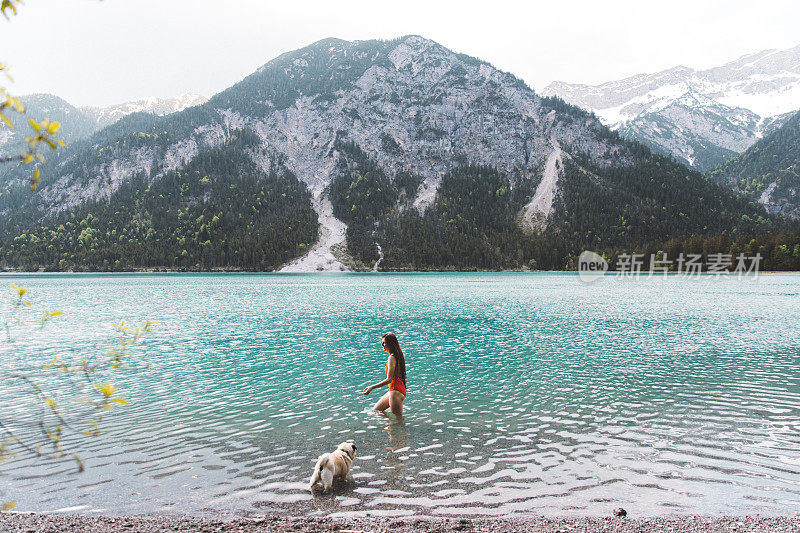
(30, 522)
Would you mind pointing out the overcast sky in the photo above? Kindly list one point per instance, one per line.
(94, 52)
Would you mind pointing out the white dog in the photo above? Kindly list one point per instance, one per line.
(332, 466)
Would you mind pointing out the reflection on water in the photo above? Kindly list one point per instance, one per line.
(530, 393)
(396, 453)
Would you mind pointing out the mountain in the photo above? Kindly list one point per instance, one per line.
(80, 122)
(769, 171)
(75, 124)
(701, 117)
(407, 154)
(104, 116)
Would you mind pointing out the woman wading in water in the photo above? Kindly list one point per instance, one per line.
(395, 377)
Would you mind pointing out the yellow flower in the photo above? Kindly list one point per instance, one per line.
(107, 389)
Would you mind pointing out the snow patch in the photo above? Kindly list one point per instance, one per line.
(768, 103)
(155, 106)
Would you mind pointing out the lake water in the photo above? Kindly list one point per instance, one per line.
(527, 393)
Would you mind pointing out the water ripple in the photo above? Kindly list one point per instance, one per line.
(528, 393)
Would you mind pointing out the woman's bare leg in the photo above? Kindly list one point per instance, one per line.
(383, 403)
(396, 402)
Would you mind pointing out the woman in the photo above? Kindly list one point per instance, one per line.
(395, 377)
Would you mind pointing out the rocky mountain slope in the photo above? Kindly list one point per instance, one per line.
(769, 171)
(414, 156)
(700, 117)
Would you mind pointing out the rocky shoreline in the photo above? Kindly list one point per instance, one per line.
(31, 522)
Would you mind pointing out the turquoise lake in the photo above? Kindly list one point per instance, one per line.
(527, 393)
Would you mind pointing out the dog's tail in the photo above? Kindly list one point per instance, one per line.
(316, 476)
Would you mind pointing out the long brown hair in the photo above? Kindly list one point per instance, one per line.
(394, 348)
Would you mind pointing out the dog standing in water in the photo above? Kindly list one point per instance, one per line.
(332, 466)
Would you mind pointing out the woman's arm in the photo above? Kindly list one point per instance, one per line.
(389, 378)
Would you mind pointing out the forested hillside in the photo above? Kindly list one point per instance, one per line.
(219, 211)
(474, 221)
(769, 171)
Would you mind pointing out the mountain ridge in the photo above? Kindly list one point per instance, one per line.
(106, 115)
(746, 99)
(389, 138)
(79, 122)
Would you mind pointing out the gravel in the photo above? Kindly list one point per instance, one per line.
(30, 522)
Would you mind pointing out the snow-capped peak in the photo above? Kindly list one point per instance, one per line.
(724, 109)
(153, 105)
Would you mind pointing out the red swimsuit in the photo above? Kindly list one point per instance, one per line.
(397, 383)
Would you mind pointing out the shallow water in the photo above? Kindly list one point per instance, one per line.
(528, 393)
